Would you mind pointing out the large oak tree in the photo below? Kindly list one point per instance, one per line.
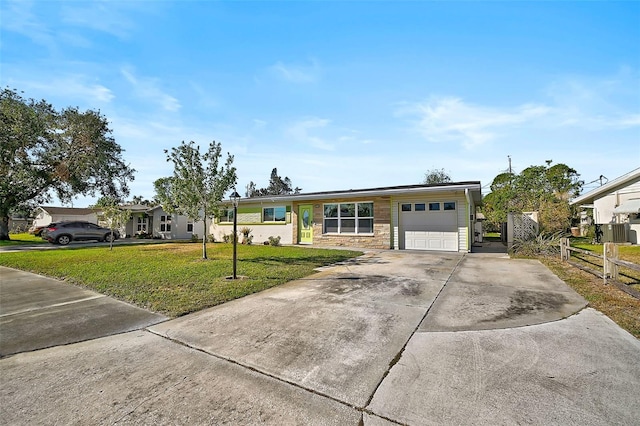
(45, 152)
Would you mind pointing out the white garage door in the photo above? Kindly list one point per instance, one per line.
(429, 229)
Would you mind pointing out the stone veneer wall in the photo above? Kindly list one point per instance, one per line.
(381, 238)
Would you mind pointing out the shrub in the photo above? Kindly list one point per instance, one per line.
(274, 241)
(247, 238)
(211, 238)
(194, 238)
(542, 245)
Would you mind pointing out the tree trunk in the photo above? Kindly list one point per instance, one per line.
(204, 238)
(4, 227)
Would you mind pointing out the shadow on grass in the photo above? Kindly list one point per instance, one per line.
(310, 260)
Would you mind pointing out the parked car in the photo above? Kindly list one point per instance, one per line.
(64, 232)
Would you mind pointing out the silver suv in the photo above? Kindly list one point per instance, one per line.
(64, 232)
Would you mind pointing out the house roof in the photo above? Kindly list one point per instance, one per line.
(137, 208)
(473, 187)
(68, 210)
(609, 187)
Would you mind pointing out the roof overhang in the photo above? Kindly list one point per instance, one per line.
(612, 186)
(473, 188)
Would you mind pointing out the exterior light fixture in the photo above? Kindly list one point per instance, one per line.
(235, 197)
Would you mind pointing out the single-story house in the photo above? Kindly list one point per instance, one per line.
(19, 224)
(617, 201)
(160, 224)
(49, 214)
(412, 217)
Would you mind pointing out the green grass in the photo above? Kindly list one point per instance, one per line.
(626, 252)
(173, 279)
(21, 239)
(622, 308)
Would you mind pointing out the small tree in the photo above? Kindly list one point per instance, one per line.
(198, 183)
(436, 176)
(115, 217)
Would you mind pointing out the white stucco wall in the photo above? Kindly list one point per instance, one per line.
(43, 218)
(603, 207)
(260, 232)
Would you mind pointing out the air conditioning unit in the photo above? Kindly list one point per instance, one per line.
(614, 233)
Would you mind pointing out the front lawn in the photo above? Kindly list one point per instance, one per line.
(173, 279)
(21, 239)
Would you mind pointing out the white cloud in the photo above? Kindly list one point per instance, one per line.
(596, 103)
(297, 73)
(18, 17)
(451, 119)
(72, 86)
(574, 103)
(109, 17)
(301, 131)
(147, 88)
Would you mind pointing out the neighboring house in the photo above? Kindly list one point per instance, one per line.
(617, 201)
(173, 227)
(19, 224)
(158, 223)
(413, 217)
(48, 214)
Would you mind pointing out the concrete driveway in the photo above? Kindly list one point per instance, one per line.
(388, 338)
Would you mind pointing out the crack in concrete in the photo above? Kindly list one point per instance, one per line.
(362, 409)
(255, 370)
(55, 305)
(395, 360)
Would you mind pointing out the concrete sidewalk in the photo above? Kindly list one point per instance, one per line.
(38, 312)
(387, 338)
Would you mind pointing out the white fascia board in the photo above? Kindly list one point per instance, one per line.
(609, 187)
(360, 193)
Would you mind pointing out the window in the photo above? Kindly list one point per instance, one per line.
(420, 207)
(142, 224)
(274, 214)
(348, 218)
(189, 226)
(434, 207)
(226, 215)
(450, 205)
(406, 207)
(165, 223)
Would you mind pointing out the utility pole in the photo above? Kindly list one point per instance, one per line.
(510, 171)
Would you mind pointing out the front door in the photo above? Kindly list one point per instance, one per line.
(305, 224)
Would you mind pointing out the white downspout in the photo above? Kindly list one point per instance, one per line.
(469, 224)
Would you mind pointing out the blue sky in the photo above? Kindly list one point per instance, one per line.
(341, 95)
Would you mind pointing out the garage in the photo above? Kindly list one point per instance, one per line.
(429, 226)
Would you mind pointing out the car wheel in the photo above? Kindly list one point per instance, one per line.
(63, 240)
(108, 238)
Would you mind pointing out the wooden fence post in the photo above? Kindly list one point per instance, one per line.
(610, 253)
(563, 248)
